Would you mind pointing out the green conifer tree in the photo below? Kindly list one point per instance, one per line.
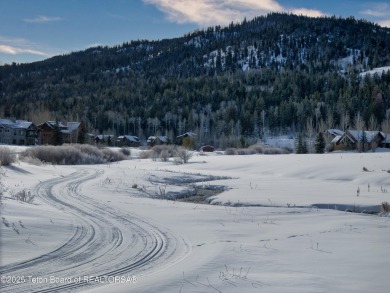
(320, 143)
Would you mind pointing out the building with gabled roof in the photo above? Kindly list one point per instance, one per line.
(128, 140)
(18, 132)
(157, 140)
(190, 134)
(70, 132)
(353, 140)
(102, 139)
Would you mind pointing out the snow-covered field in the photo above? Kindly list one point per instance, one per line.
(278, 225)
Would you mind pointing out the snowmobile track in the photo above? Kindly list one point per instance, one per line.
(106, 242)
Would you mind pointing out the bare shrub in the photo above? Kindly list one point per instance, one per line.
(244, 152)
(32, 161)
(268, 150)
(153, 155)
(231, 151)
(183, 156)
(256, 149)
(259, 149)
(88, 149)
(7, 157)
(126, 151)
(385, 207)
(169, 149)
(24, 196)
(275, 151)
(145, 155)
(73, 154)
(112, 156)
(164, 156)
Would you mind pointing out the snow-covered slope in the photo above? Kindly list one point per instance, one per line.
(204, 248)
(379, 71)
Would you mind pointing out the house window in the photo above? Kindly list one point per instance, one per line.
(21, 132)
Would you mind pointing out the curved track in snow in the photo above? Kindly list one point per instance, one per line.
(105, 243)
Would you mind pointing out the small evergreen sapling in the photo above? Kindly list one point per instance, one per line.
(363, 140)
(301, 145)
(320, 143)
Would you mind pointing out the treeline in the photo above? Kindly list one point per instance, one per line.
(276, 73)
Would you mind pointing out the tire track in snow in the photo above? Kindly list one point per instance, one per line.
(106, 242)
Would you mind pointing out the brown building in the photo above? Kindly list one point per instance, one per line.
(71, 132)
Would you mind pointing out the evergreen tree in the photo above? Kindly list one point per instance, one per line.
(301, 145)
(81, 135)
(320, 143)
(57, 138)
(363, 140)
(109, 141)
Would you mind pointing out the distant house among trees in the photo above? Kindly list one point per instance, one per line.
(187, 140)
(104, 139)
(179, 138)
(18, 132)
(360, 140)
(157, 140)
(74, 133)
(128, 140)
(56, 133)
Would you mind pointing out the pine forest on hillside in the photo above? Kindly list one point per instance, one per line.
(280, 73)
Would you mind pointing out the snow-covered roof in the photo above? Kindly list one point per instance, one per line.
(189, 133)
(10, 123)
(357, 135)
(336, 139)
(163, 139)
(54, 123)
(335, 132)
(129, 138)
(6, 121)
(103, 136)
(72, 125)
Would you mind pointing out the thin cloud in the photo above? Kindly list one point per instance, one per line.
(212, 12)
(43, 19)
(15, 46)
(377, 9)
(14, 50)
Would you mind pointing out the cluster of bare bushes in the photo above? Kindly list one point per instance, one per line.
(24, 196)
(384, 209)
(256, 149)
(7, 157)
(164, 152)
(73, 155)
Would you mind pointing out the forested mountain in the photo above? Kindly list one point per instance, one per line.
(278, 72)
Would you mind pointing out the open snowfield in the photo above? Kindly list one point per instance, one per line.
(275, 224)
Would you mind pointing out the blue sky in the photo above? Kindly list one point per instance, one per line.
(33, 30)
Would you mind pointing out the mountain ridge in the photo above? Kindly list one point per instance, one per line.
(222, 76)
